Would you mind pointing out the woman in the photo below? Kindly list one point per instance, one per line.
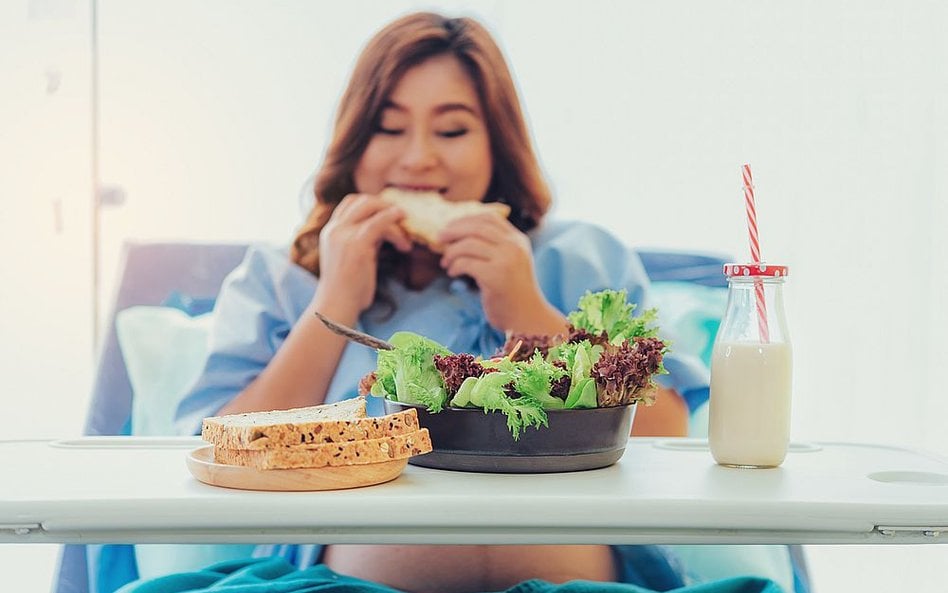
(430, 106)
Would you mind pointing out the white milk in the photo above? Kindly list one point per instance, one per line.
(749, 423)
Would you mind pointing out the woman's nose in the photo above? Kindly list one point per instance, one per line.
(420, 154)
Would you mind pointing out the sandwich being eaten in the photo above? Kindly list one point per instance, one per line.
(427, 213)
(329, 435)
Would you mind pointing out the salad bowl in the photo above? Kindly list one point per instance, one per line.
(469, 439)
(541, 404)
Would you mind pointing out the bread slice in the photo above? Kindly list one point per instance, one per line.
(333, 423)
(264, 429)
(329, 454)
(426, 213)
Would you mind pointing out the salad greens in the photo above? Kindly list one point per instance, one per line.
(407, 373)
(609, 358)
(606, 313)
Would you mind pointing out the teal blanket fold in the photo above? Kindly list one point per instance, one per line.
(276, 575)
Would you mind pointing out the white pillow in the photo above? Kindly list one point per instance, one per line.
(164, 351)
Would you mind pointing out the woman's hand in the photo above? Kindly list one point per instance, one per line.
(349, 246)
(499, 258)
(348, 259)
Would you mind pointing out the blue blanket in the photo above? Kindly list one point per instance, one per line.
(276, 575)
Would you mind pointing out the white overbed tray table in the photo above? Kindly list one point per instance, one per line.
(139, 490)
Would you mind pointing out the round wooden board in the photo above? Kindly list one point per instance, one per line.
(202, 466)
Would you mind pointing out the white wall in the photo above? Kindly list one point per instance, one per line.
(214, 112)
(833, 104)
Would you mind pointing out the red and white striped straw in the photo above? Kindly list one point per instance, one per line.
(751, 209)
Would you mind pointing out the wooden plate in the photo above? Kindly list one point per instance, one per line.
(202, 466)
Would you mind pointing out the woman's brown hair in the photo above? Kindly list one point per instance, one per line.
(404, 43)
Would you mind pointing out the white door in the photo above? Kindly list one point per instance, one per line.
(46, 238)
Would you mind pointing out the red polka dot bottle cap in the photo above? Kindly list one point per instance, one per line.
(756, 270)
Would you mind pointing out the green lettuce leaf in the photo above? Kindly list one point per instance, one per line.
(534, 379)
(490, 393)
(462, 398)
(582, 394)
(408, 374)
(608, 311)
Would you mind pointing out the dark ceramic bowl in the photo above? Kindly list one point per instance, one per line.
(467, 439)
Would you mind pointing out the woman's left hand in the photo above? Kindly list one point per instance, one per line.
(499, 258)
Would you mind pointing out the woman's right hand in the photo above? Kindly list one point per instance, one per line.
(349, 246)
(348, 260)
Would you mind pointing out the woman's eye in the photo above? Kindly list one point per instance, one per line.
(389, 131)
(453, 133)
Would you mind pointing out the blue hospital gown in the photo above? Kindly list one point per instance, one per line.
(264, 297)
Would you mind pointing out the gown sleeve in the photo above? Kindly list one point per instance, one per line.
(573, 257)
(258, 304)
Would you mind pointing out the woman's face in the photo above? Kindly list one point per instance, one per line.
(431, 136)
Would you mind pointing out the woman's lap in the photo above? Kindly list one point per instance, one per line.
(277, 575)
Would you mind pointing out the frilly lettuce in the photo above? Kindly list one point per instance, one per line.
(608, 312)
(619, 371)
(408, 374)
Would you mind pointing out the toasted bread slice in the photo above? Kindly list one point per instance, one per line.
(340, 422)
(329, 454)
(426, 213)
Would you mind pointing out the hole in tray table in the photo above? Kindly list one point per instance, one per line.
(907, 477)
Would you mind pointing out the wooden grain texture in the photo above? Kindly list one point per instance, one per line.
(201, 464)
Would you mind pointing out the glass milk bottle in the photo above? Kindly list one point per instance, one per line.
(751, 371)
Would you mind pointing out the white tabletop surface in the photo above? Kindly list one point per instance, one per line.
(127, 489)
